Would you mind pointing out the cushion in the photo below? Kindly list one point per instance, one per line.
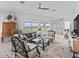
(23, 37)
(28, 45)
(31, 46)
(29, 35)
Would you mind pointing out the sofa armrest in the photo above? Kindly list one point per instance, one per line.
(76, 45)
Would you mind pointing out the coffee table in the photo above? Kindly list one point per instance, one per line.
(41, 42)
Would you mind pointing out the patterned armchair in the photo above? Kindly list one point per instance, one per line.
(51, 35)
(23, 48)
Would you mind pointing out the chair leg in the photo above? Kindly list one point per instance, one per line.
(15, 55)
(38, 51)
(73, 54)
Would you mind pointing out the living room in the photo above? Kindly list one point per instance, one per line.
(39, 29)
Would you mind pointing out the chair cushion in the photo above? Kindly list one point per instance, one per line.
(31, 46)
(33, 51)
(29, 35)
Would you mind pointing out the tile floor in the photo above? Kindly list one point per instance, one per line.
(5, 48)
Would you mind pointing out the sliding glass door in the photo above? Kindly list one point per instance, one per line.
(58, 25)
(0, 28)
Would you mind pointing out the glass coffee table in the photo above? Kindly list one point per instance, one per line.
(41, 42)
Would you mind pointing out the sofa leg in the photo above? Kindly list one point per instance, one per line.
(48, 43)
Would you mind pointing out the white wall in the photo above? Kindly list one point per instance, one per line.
(65, 10)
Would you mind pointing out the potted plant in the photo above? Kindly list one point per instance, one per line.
(9, 17)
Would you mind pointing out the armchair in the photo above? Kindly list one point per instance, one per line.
(51, 36)
(75, 46)
(23, 48)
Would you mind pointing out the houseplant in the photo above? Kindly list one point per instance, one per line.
(9, 17)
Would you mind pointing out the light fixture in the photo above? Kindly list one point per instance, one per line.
(22, 2)
(42, 7)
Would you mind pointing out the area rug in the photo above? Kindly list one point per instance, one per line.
(54, 50)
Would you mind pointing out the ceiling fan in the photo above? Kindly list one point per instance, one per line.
(22, 2)
(41, 7)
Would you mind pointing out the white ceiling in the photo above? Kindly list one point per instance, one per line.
(64, 9)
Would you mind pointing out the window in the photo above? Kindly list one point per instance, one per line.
(44, 26)
(0, 28)
(58, 25)
(0, 25)
(41, 25)
(35, 26)
(32, 26)
(27, 26)
(47, 26)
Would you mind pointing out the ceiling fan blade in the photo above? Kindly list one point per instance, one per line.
(22, 2)
(43, 8)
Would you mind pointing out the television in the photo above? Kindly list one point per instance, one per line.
(76, 25)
